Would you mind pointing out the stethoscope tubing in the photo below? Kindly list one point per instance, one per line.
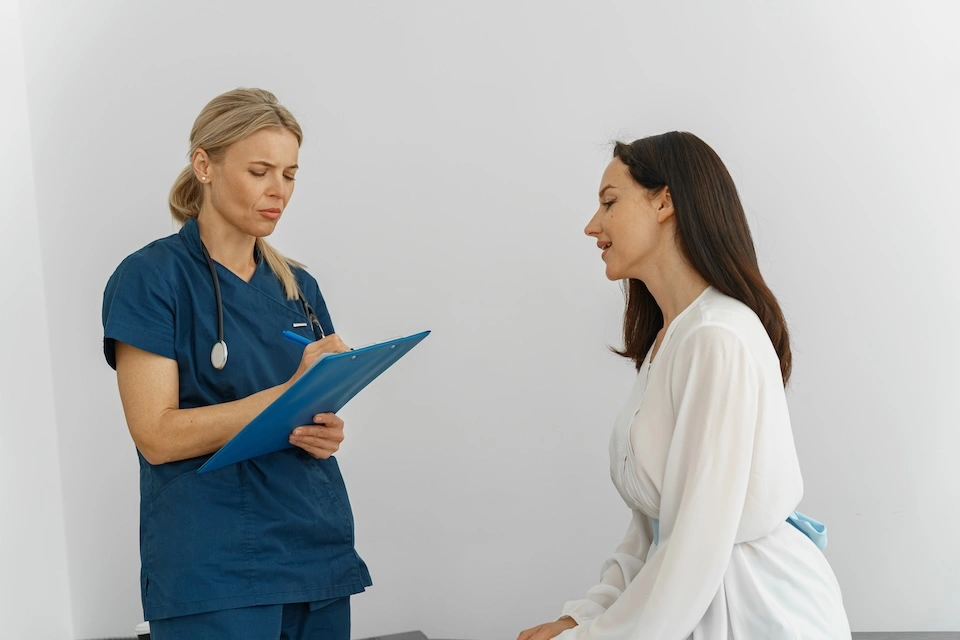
(218, 354)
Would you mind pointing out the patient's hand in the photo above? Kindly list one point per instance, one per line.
(548, 630)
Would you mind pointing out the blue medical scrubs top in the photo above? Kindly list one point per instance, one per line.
(271, 530)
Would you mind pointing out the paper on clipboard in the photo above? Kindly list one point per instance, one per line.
(324, 388)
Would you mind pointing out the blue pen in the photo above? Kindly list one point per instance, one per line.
(296, 338)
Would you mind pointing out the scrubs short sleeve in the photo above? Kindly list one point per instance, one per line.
(139, 307)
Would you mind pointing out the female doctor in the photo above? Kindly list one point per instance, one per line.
(702, 452)
(193, 326)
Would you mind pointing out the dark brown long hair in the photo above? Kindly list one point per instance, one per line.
(712, 231)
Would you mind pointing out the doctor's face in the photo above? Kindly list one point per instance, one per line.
(252, 186)
(631, 227)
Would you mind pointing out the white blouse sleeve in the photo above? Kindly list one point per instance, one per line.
(715, 390)
(617, 572)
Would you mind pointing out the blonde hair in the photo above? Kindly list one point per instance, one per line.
(227, 119)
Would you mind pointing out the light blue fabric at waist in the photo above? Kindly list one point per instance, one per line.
(816, 531)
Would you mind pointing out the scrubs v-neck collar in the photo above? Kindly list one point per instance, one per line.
(190, 234)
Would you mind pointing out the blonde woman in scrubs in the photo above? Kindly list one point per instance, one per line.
(702, 452)
(263, 548)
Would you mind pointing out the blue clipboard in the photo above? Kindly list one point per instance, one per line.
(324, 388)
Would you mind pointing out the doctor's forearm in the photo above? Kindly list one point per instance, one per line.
(149, 390)
(181, 434)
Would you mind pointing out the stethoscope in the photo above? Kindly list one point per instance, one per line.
(218, 355)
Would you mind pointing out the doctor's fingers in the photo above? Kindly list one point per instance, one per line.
(320, 442)
(321, 453)
(326, 432)
(330, 344)
(328, 420)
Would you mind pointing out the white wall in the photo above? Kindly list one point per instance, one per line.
(34, 593)
(451, 160)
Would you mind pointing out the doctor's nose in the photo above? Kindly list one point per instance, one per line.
(275, 187)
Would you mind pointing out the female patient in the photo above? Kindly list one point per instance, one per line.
(702, 452)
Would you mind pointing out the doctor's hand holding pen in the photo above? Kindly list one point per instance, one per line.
(312, 350)
(321, 439)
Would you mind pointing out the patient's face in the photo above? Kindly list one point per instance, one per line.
(629, 224)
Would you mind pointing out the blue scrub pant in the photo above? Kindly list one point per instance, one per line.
(279, 621)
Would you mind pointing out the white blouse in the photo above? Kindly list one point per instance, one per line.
(704, 452)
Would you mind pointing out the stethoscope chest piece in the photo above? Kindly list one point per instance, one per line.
(218, 355)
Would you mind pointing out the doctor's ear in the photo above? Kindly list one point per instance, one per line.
(201, 165)
(663, 204)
